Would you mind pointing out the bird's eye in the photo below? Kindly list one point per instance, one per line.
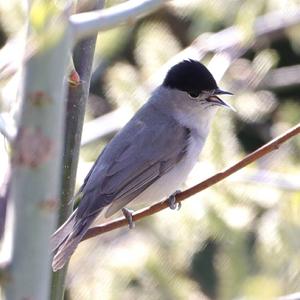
(193, 94)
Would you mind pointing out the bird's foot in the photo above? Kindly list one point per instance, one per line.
(128, 216)
(172, 201)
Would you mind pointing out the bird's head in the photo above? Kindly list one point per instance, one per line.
(197, 82)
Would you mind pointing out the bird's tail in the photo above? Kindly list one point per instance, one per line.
(66, 239)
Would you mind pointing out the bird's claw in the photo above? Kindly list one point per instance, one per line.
(128, 216)
(172, 201)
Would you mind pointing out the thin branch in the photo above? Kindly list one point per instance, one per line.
(254, 156)
(90, 23)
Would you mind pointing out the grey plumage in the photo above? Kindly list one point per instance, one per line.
(150, 157)
(125, 167)
(122, 172)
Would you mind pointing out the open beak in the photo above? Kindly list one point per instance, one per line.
(214, 98)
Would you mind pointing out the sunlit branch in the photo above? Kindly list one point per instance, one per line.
(89, 23)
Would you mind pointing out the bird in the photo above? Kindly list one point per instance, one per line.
(150, 157)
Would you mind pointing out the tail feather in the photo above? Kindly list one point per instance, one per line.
(66, 239)
(65, 250)
(60, 235)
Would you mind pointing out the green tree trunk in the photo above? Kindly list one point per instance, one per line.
(37, 154)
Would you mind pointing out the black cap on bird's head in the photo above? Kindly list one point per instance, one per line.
(190, 76)
(194, 78)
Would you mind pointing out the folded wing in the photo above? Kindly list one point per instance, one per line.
(139, 155)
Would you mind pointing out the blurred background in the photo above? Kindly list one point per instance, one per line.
(238, 239)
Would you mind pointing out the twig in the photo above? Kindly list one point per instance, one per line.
(267, 148)
(85, 24)
(90, 23)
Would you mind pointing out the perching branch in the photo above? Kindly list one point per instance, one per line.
(90, 23)
(254, 156)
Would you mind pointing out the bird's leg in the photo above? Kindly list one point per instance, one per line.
(172, 201)
(128, 216)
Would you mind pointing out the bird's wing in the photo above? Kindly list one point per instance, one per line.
(148, 147)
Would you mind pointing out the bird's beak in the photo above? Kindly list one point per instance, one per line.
(221, 92)
(214, 98)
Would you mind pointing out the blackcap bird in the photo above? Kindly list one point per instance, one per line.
(151, 157)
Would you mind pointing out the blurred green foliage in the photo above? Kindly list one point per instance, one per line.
(237, 240)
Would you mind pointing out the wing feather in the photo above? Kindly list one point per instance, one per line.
(141, 153)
